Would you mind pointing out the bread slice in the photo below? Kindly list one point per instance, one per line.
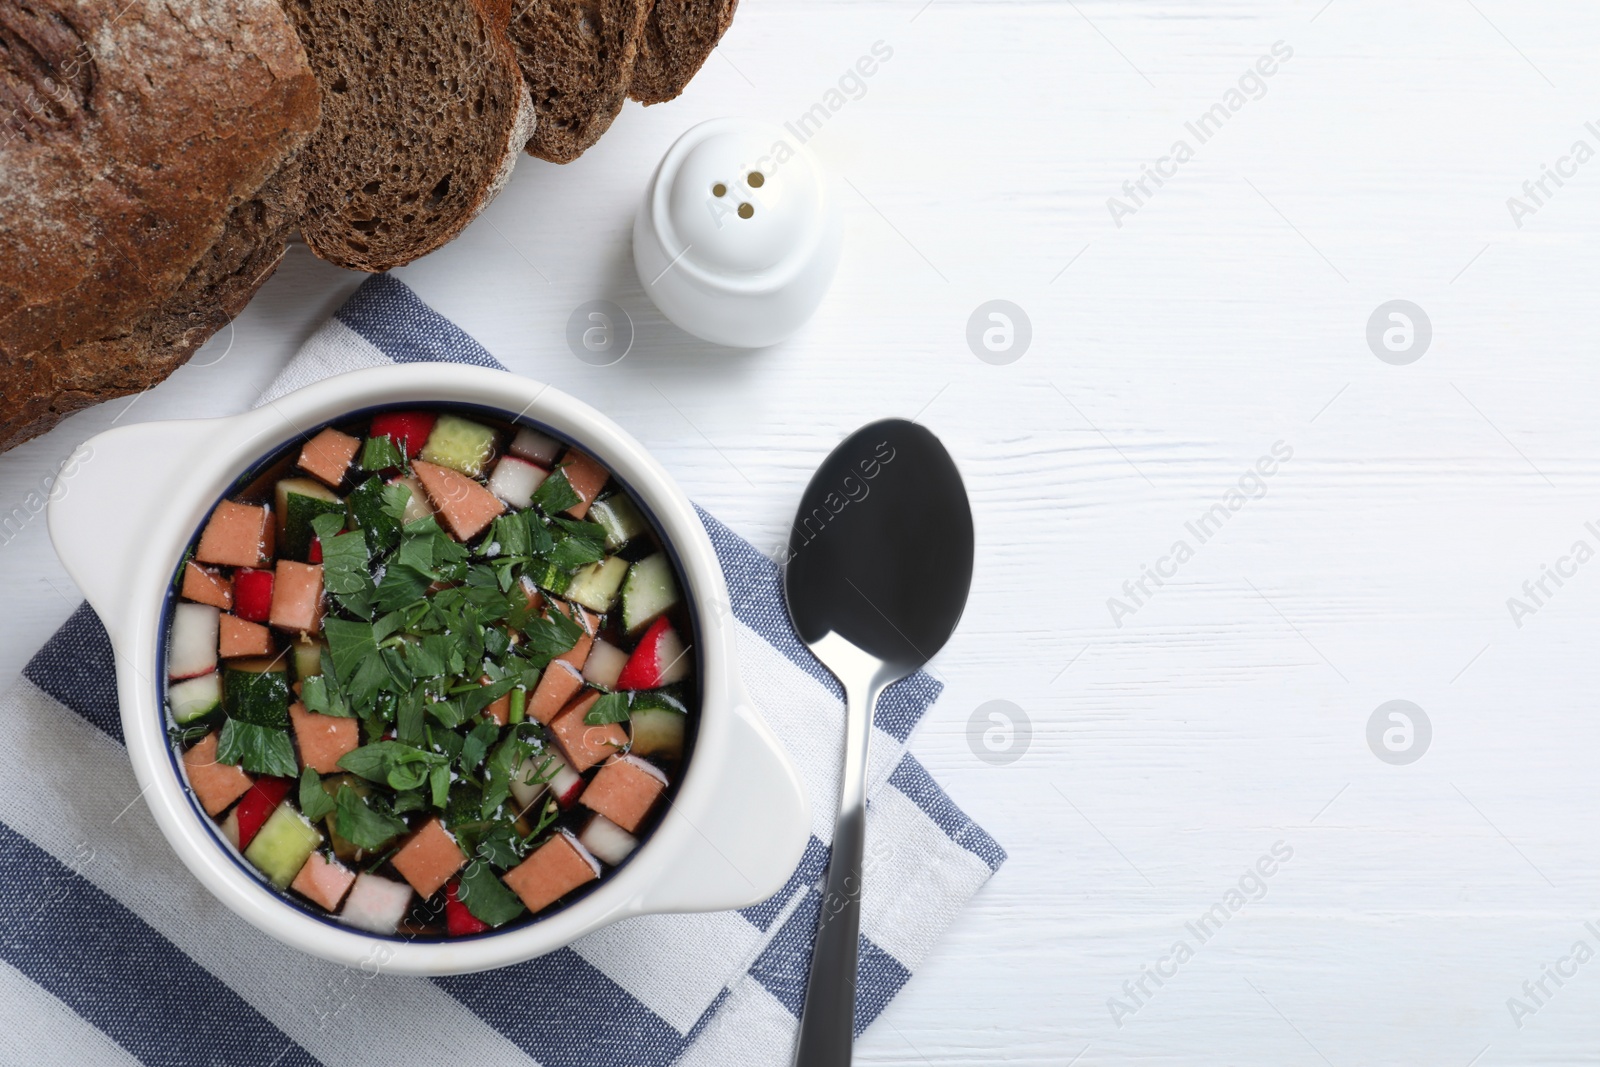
(577, 56)
(424, 114)
(131, 132)
(43, 388)
(678, 38)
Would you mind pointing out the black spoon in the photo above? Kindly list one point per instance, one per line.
(879, 566)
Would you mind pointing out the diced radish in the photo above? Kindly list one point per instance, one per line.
(417, 506)
(608, 841)
(514, 480)
(193, 650)
(375, 904)
(604, 665)
(191, 699)
(409, 430)
(256, 806)
(523, 786)
(535, 446)
(660, 659)
(567, 785)
(252, 595)
(230, 828)
(458, 920)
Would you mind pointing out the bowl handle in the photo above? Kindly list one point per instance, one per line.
(746, 847)
(121, 481)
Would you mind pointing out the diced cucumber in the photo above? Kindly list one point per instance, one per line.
(460, 444)
(649, 590)
(307, 658)
(548, 576)
(260, 696)
(620, 517)
(299, 501)
(283, 844)
(194, 698)
(595, 586)
(657, 731)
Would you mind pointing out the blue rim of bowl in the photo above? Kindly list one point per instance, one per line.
(259, 467)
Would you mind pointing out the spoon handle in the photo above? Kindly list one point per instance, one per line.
(827, 1025)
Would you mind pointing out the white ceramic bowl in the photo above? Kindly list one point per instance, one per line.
(738, 824)
(747, 266)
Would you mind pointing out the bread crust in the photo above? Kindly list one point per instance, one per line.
(134, 130)
(143, 195)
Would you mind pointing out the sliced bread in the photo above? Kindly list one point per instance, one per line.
(43, 388)
(424, 113)
(577, 56)
(678, 38)
(131, 135)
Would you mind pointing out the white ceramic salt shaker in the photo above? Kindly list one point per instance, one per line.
(739, 233)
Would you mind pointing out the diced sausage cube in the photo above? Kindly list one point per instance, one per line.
(429, 859)
(559, 866)
(327, 456)
(323, 739)
(236, 637)
(559, 683)
(204, 585)
(324, 881)
(215, 785)
(237, 535)
(578, 654)
(466, 506)
(586, 477)
(581, 744)
(624, 791)
(297, 597)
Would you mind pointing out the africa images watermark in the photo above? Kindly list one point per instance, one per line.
(1536, 992)
(735, 198)
(852, 490)
(1538, 591)
(1537, 192)
(52, 486)
(1252, 85)
(1251, 886)
(1252, 485)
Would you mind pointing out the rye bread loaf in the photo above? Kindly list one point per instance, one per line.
(41, 389)
(577, 56)
(678, 38)
(128, 131)
(424, 113)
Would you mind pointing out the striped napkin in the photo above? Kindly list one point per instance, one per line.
(114, 954)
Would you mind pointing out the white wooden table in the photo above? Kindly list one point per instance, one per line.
(1226, 314)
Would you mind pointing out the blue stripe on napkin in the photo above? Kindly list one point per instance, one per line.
(122, 975)
(784, 966)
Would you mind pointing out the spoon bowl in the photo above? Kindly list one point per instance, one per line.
(878, 571)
